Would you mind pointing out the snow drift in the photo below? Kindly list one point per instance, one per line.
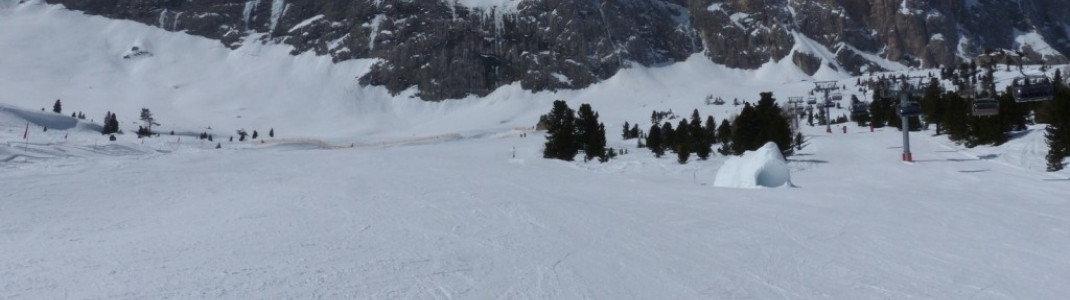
(764, 167)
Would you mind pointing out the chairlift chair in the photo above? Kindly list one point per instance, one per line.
(860, 109)
(985, 107)
(837, 96)
(1032, 88)
(909, 109)
(811, 100)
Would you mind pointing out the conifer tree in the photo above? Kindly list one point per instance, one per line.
(57, 108)
(1057, 133)
(255, 134)
(932, 106)
(800, 141)
(878, 111)
(711, 130)
(146, 117)
(667, 136)
(654, 141)
(596, 144)
(271, 132)
(745, 128)
(724, 131)
(560, 134)
(697, 138)
(682, 136)
(626, 133)
(682, 155)
(111, 124)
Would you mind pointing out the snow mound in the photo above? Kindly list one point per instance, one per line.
(764, 167)
(14, 117)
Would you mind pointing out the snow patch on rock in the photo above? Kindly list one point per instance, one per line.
(764, 167)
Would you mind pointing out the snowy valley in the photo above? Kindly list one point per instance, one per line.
(368, 195)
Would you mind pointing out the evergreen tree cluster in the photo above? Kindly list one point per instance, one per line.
(570, 131)
(111, 124)
(1057, 133)
(689, 137)
(630, 131)
(757, 125)
(953, 115)
(657, 116)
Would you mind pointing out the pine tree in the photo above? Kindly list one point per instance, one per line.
(711, 129)
(724, 131)
(1057, 133)
(800, 141)
(255, 134)
(560, 133)
(682, 155)
(682, 137)
(596, 144)
(241, 135)
(668, 134)
(111, 124)
(104, 128)
(146, 117)
(634, 132)
(878, 110)
(57, 108)
(587, 130)
(932, 106)
(745, 129)
(654, 141)
(625, 134)
(271, 132)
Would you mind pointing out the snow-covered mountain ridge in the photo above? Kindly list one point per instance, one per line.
(452, 49)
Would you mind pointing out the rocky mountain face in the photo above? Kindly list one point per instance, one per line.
(447, 50)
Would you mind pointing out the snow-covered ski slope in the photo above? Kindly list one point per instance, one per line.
(363, 195)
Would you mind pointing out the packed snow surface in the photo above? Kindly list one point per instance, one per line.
(362, 194)
(764, 167)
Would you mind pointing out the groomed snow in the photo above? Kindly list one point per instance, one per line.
(366, 195)
(764, 167)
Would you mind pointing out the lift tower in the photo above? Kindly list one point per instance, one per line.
(902, 88)
(826, 87)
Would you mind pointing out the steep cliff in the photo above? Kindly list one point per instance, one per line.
(454, 48)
